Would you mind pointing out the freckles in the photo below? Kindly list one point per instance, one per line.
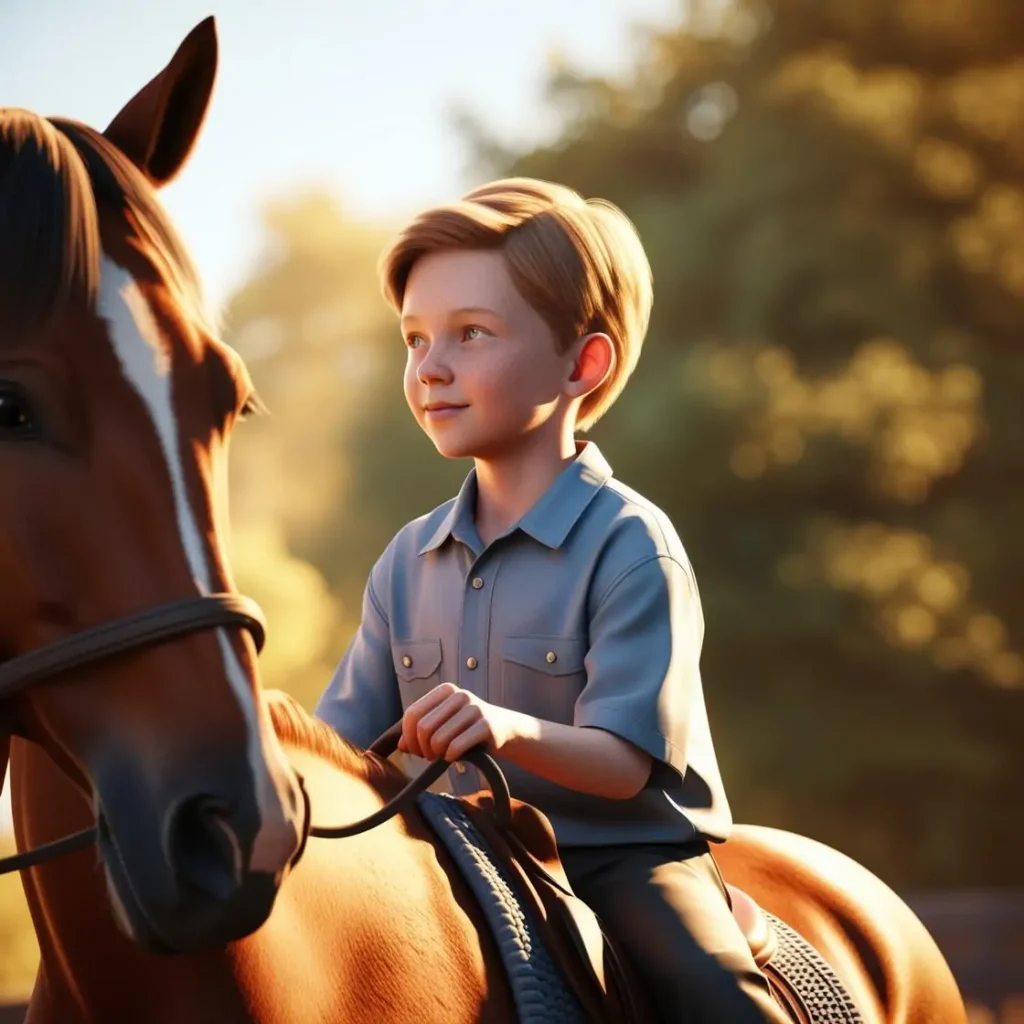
(505, 367)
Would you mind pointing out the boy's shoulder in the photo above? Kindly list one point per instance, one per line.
(634, 527)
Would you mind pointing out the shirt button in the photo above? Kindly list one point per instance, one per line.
(477, 583)
(460, 767)
(471, 662)
(407, 661)
(551, 657)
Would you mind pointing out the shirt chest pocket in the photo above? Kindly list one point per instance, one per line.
(543, 675)
(417, 666)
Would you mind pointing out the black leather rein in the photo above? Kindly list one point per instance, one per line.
(384, 746)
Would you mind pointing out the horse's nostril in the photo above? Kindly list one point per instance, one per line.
(203, 848)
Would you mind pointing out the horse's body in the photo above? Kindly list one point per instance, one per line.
(194, 780)
(380, 926)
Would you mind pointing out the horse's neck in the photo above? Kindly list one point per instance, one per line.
(338, 793)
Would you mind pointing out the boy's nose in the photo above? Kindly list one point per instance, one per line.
(434, 371)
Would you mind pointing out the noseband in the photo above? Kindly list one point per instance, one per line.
(193, 615)
(131, 633)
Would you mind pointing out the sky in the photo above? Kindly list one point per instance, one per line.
(352, 95)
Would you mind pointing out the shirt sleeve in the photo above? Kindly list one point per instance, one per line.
(643, 671)
(362, 701)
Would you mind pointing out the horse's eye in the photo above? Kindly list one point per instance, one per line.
(17, 419)
(253, 407)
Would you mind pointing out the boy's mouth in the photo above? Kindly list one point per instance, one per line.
(441, 410)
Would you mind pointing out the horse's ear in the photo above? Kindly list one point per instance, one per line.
(158, 127)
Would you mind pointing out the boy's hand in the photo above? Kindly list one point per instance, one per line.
(448, 721)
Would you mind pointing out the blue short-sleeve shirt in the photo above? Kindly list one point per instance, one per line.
(585, 613)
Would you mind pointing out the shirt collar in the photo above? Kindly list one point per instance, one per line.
(550, 520)
(458, 521)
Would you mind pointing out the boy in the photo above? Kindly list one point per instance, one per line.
(560, 603)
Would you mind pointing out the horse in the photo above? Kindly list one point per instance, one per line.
(129, 686)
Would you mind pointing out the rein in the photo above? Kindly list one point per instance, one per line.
(190, 615)
(385, 745)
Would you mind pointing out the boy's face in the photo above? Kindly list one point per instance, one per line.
(483, 373)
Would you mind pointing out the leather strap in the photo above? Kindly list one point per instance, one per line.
(384, 746)
(144, 629)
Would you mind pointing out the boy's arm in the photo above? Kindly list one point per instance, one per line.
(361, 701)
(587, 760)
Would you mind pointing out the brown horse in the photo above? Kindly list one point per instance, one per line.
(128, 676)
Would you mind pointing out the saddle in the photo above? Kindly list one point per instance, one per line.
(803, 984)
(523, 844)
(587, 957)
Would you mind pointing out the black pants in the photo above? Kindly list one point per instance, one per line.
(665, 907)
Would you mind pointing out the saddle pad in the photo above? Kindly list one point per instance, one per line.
(816, 986)
(541, 994)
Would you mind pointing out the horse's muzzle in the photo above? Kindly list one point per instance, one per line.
(181, 869)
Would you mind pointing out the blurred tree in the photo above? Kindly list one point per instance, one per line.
(829, 405)
(310, 324)
(19, 951)
(305, 620)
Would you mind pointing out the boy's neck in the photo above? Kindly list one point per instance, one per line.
(508, 486)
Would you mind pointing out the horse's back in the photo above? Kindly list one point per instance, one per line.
(885, 956)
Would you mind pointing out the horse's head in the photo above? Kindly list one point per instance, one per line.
(117, 401)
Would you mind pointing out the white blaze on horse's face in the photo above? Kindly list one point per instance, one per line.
(142, 353)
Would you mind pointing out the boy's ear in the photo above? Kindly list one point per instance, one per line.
(595, 360)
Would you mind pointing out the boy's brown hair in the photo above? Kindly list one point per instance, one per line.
(579, 263)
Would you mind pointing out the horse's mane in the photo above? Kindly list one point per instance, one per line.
(56, 176)
(295, 726)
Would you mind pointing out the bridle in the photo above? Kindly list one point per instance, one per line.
(107, 640)
(180, 618)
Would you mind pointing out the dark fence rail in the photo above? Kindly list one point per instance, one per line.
(981, 934)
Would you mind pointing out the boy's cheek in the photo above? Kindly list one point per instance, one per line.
(412, 400)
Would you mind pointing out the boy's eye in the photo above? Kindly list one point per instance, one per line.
(413, 341)
(472, 332)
